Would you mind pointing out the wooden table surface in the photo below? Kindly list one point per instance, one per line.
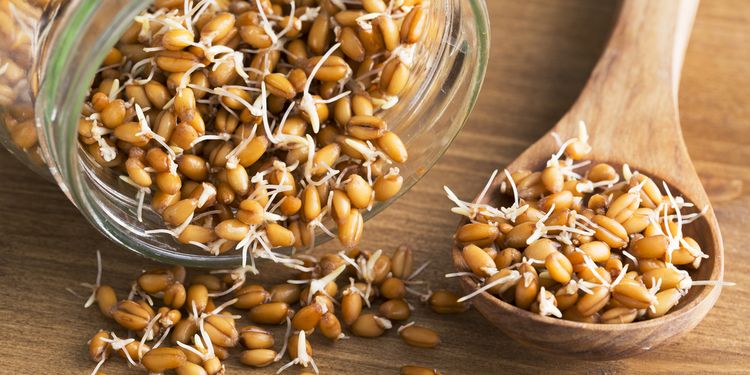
(542, 53)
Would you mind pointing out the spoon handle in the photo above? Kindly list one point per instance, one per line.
(649, 41)
(630, 101)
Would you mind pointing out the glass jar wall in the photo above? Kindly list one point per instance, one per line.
(58, 46)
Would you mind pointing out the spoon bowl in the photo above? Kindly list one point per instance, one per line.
(604, 341)
(630, 107)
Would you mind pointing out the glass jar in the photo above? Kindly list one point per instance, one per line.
(52, 52)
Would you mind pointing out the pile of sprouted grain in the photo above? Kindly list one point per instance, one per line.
(250, 123)
(190, 323)
(598, 247)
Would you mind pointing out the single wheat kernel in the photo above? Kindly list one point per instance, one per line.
(162, 359)
(258, 357)
(253, 337)
(421, 337)
(369, 326)
(446, 302)
(269, 313)
(250, 296)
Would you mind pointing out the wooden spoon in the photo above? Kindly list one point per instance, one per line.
(630, 107)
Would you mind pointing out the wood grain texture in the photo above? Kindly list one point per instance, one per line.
(542, 53)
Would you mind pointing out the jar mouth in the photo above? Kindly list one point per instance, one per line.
(428, 118)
